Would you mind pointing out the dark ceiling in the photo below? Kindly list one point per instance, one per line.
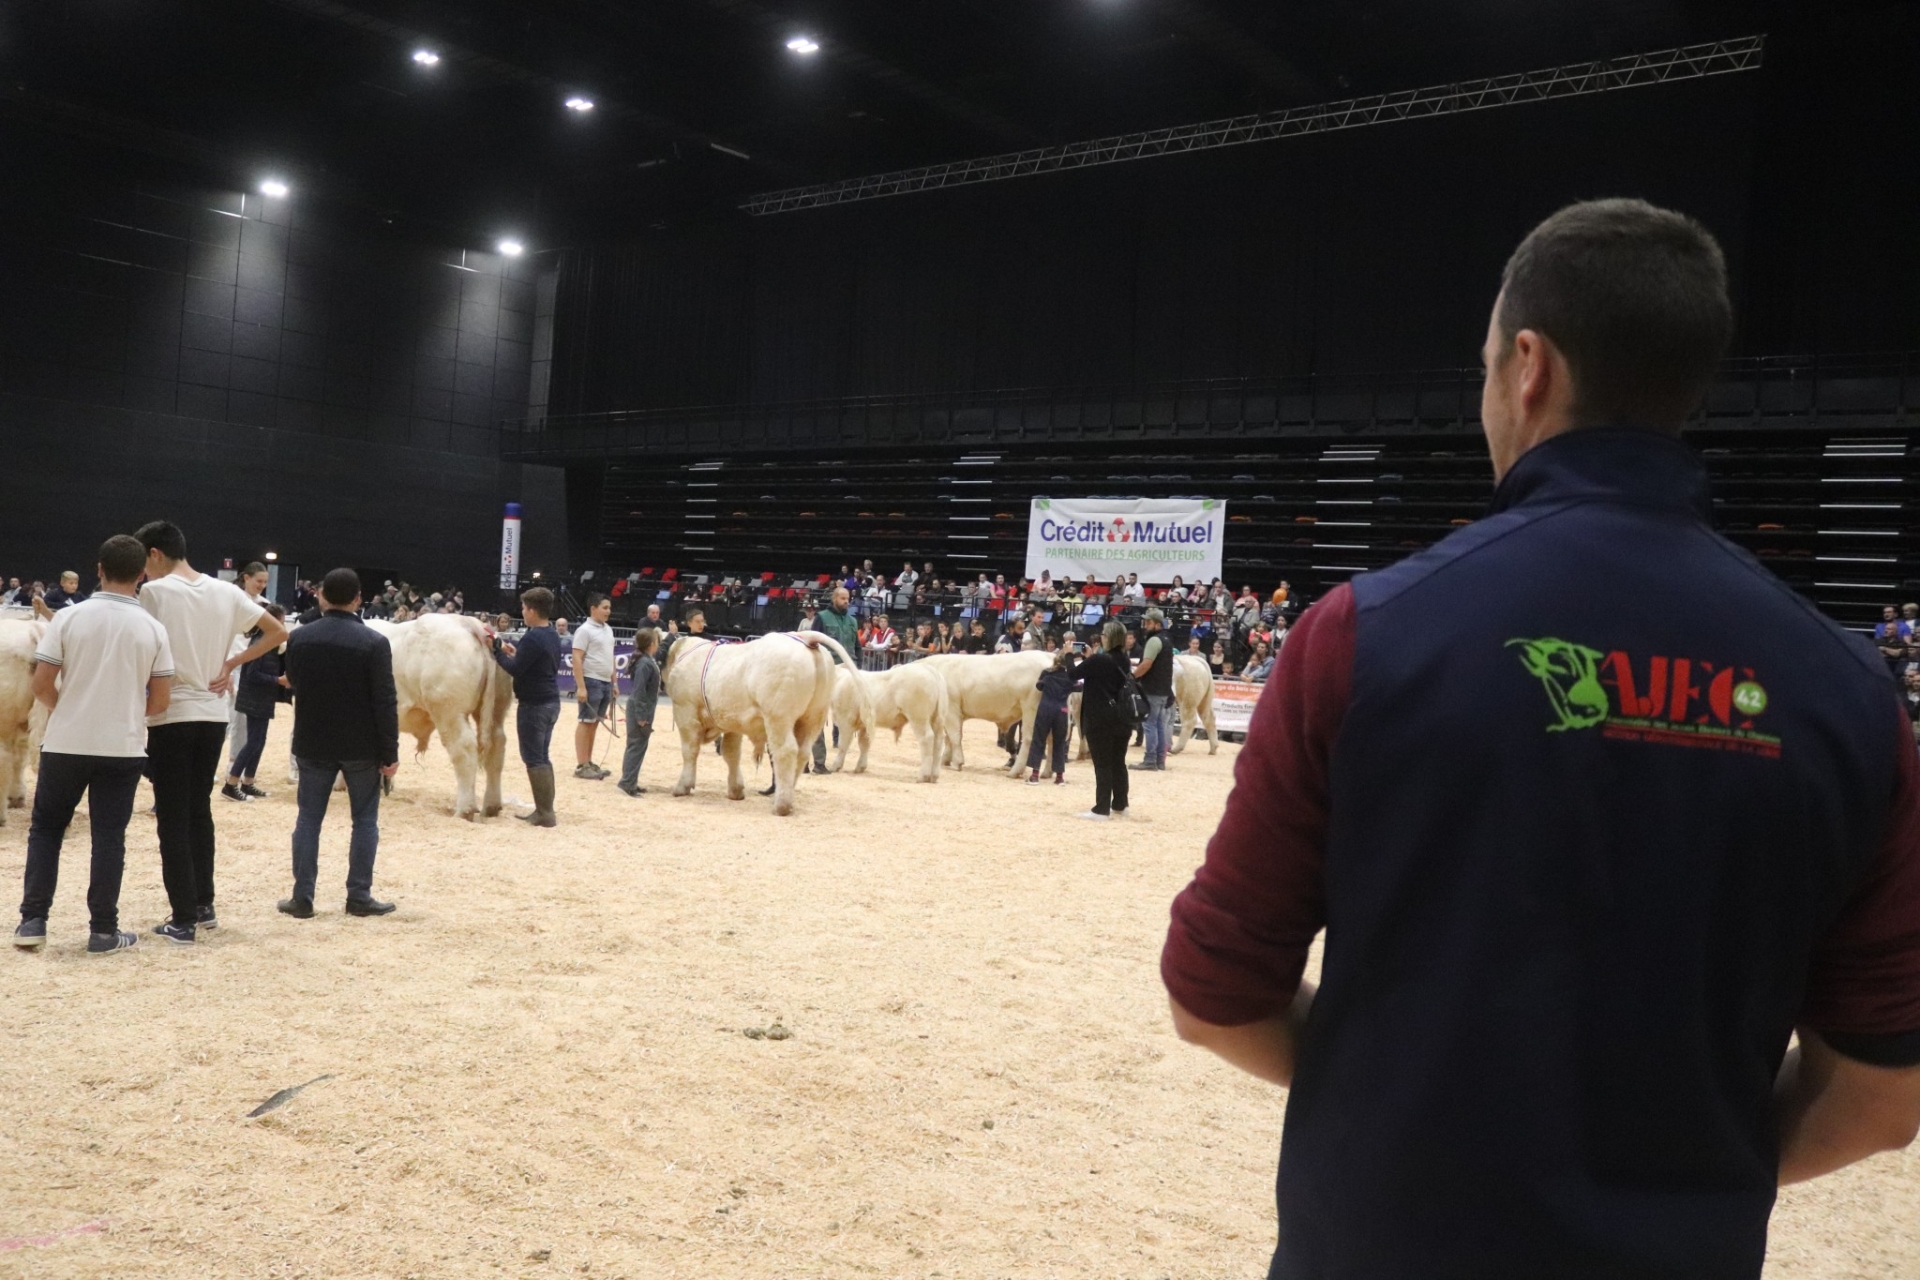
(325, 92)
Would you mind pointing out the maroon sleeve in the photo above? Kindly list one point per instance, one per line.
(1863, 994)
(1241, 930)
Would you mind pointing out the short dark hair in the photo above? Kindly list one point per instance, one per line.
(691, 614)
(253, 567)
(340, 588)
(276, 609)
(596, 599)
(538, 599)
(1634, 296)
(122, 559)
(163, 536)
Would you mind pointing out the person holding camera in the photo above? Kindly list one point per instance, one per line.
(1104, 679)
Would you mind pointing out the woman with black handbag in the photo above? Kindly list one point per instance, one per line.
(1109, 699)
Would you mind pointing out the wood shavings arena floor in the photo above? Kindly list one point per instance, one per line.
(539, 1068)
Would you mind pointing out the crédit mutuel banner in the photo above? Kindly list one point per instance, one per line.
(1153, 537)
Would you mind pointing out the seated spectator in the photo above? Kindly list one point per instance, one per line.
(1261, 664)
(1217, 658)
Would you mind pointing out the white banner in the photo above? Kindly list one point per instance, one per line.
(510, 548)
(1153, 537)
(1233, 704)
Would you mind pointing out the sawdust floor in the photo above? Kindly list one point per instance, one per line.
(538, 1065)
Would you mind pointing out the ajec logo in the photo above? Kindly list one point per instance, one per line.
(1686, 702)
(1119, 532)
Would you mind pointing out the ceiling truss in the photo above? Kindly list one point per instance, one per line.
(1630, 71)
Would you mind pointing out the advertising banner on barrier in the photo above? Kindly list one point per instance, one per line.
(1233, 704)
(1153, 537)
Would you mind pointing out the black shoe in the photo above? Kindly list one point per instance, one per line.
(181, 934)
(634, 790)
(298, 908)
(31, 935)
(232, 792)
(101, 944)
(369, 907)
(203, 918)
(247, 788)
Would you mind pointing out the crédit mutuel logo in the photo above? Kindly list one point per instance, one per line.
(1672, 701)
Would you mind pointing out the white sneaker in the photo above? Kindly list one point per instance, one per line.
(1091, 816)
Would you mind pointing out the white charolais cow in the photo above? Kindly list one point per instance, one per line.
(1001, 687)
(775, 692)
(1193, 694)
(447, 681)
(911, 694)
(23, 722)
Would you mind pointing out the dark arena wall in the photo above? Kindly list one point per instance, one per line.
(1169, 326)
(272, 375)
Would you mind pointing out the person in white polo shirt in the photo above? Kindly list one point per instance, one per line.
(202, 615)
(102, 668)
(592, 683)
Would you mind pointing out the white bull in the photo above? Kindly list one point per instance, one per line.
(1193, 693)
(911, 694)
(23, 721)
(1001, 687)
(775, 692)
(447, 680)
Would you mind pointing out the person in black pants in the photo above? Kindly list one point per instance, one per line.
(261, 683)
(1103, 681)
(114, 669)
(534, 664)
(346, 722)
(1056, 685)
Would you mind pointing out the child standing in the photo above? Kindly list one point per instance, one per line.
(1051, 722)
(640, 705)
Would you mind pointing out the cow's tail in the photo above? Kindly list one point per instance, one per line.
(817, 639)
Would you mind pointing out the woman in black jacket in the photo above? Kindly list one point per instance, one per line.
(1103, 680)
(255, 694)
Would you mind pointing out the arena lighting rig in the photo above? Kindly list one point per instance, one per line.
(1630, 71)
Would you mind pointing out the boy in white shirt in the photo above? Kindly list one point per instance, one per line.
(202, 615)
(593, 673)
(113, 669)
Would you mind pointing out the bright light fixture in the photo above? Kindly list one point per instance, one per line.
(272, 556)
(426, 57)
(580, 104)
(804, 45)
(512, 248)
(273, 187)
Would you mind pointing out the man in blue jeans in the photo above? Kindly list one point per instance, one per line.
(1154, 671)
(345, 721)
(534, 664)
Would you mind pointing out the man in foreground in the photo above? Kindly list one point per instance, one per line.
(345, 722)
(114, 670)
(1592, 866)
(202, 616)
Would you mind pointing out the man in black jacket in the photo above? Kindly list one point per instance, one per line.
(346, 721)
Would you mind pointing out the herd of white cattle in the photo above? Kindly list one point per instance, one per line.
(778, 692)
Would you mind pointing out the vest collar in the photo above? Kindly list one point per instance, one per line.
(1624, 464)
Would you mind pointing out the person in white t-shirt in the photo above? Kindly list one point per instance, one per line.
(102, 668)
(202, 615)
(592, 683)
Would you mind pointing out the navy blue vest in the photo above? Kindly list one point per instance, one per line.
(1603, 784)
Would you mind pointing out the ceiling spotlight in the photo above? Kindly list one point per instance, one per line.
(273, 187)
(582, 105)
(426, 57)
(804, 45)
(272, 556)
(512, 248)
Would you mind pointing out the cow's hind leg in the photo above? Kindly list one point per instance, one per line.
(785, 749)
(461, 744)
(493, 757)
